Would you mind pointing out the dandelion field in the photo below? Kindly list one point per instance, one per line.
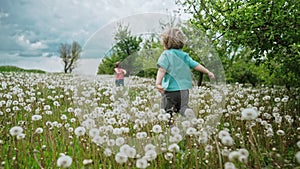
(66, 121)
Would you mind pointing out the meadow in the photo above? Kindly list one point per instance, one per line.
(69, 121)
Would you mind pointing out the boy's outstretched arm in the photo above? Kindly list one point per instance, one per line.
(202, 69)
(160, 75)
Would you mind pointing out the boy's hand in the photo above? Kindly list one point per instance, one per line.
(160, 88)
(211, 75)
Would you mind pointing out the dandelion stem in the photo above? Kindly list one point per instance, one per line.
(219, 153)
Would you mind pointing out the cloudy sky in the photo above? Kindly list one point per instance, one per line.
(32, 30)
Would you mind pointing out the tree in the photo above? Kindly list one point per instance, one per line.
(125, 45)
(269, 28)
(70, 55)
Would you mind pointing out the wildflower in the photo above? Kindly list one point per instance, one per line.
(203, 138)
(208, 148)
(189, 114)
(297, 155)
(150, 155)
(175, 130)
(70, 110)
(63, 117)
(72, 120)
(36, 117)
(111, 142)
(98, 140)
(107, 152)
(243, 159)
(141, 163)
(223, 133)
(121, 158)
(234, 155)
(80, 131)
(156, 129)
(298, 144)
(149, 147)
(168, 156)
(94, 132)
(243, 152)
(225, 152)
(176, 138)
(117, 131)
(227, 140)
(229, 165)
(285, 99)
(70, 129)
(141, 135)
(39, 130)
(280, 132)
(249, 114)
(16, 130)
(64, 161)
(186, 124)
(120, 141)
(20, 136)
(173, 147)
(131, 152)
(89, 123)
(86, 162)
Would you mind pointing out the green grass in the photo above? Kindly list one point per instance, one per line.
(17, 69)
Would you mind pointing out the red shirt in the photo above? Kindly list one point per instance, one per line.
(119, 73)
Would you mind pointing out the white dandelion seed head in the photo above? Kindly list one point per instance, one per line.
(169, 156)
(39, 130)
(141, 163)
(243, 159)
(107, 152)
(280, 132)
(189, 114)
(249, 114)
(149, 147)
(80, 131)
(94, 132)
(233, 156)
(298, 144)
(36, 117)
(121, 158)
(64, 161)
(191, 131)
(156, 129)
(173, 147)
(297, 156)
(175, 130)
(120, 141)
(150, 155)
(225, 152)
(227, 141)
(16, 130)
(63, 117)
(229, 165)
(21, 136)
(223, 133)
(208, 148)
(87, 161)
(244, 152)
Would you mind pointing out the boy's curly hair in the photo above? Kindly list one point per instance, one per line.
(173, 38)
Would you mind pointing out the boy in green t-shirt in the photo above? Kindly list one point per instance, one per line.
(174, 77)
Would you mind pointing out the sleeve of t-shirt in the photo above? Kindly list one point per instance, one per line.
(163, 61)
(191, 62)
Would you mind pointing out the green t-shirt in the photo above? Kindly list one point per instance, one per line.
(178, 66)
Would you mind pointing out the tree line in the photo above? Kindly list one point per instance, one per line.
(256, 40)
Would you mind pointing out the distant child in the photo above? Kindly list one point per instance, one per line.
(174, 77)
(119, 75)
